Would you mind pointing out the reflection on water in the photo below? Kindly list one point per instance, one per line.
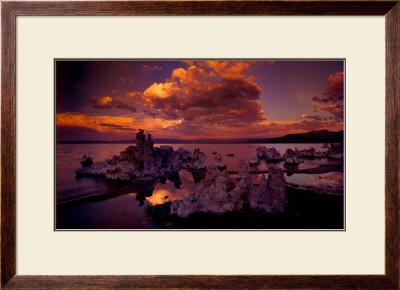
(69, 156)
(198, 175)
(122, 212)
(129, 210)
(332, 180)
(141, 196)
(169, 191)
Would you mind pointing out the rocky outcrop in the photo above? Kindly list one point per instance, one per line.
(261, 151)
(335, 151)
(291, 157)
(222, 194)
(96, 169)
(272, 154)
(219, 162)
(212, 197)
(269, 154)
(198, 160)
(270, 193)
(310, 153)
(86, 161)
(184, 154)
(306, 153)
(143, 160)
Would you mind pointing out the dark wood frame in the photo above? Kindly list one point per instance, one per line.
(390, 9)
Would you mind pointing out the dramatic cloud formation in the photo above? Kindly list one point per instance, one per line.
(198, 99)
(108, 102)
(108, 124)
(146, 68)
(207, 93)
(334, 92)
(331, 100)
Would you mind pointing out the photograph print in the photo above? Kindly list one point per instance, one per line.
(199, 144)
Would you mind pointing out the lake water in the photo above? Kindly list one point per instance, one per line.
(128, 210)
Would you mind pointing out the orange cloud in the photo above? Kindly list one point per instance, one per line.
(124, 127)
(108, 102)
(314, 117)
(160, 91)
(132, 95)
(333, 97)
(335, 90)
(92, 122)
(107, 123)
(335, 109)
(208, 92)
(226, 69)
(101, 102)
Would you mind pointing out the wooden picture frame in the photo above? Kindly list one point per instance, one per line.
(389, 9)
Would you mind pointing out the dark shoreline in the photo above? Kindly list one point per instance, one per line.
(306, 210)
(145, 185)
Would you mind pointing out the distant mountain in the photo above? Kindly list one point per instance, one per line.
(211, 141)
(321, 136)
(96, 142)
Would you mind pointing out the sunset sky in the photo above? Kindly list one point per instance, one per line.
(111, 100)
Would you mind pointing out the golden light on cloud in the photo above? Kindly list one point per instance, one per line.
(206, 99)
(134, 94)
(160, 91)
(106, 124)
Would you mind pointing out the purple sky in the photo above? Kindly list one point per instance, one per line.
(111, 100)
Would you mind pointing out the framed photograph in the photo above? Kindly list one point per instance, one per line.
(255, 146)
(212, 157)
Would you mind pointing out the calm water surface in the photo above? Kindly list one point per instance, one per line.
(128, 210)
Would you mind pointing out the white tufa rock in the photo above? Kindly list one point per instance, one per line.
(141, 160)
(270, 194)
(222, 194)
(219, 162)
(291, 157)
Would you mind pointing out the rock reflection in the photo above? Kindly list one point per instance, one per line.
(173, 177)
(142, 195)
(198, 175)
(175, 187)
(291, 168)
